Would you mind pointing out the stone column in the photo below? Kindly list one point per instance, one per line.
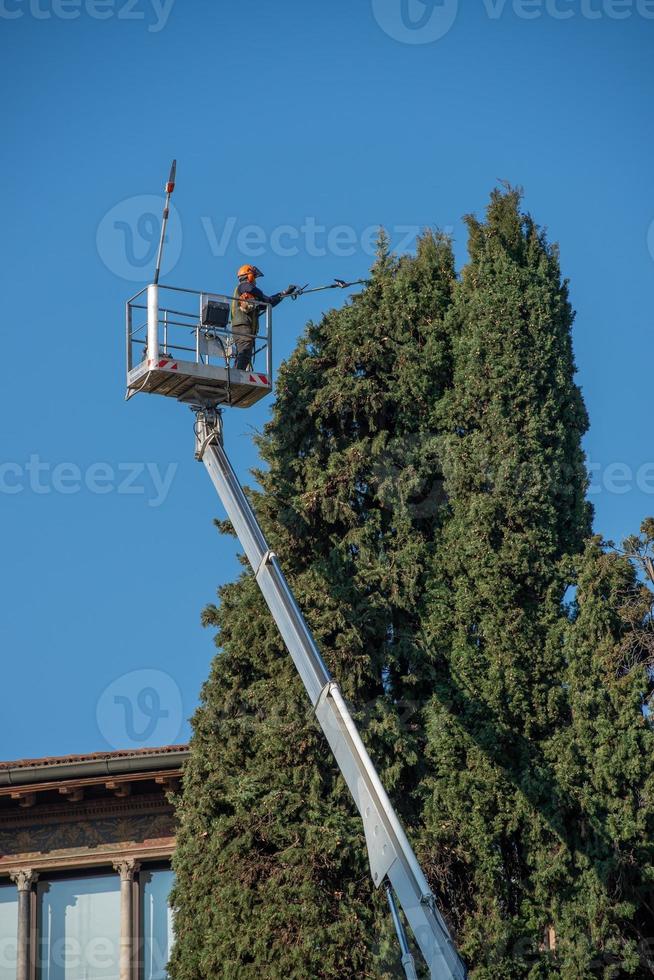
(24, 879)
(126, 869)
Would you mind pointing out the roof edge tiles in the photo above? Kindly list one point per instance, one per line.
(94, 764)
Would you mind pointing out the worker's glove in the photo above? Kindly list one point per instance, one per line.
(289, 290)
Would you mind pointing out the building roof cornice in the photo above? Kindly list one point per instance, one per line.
(25, 771)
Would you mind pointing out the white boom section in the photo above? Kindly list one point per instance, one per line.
(389, 850)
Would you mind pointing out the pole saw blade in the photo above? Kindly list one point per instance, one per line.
(336, 284)
(170, 186)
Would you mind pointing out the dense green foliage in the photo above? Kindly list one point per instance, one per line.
(425, 491)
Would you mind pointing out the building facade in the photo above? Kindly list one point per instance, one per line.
(85, 865)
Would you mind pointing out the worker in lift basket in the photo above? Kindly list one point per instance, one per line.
(246, 310)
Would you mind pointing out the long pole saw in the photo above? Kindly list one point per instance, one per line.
(336, 284)
(170, 187)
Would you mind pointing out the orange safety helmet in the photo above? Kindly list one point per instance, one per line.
(249, 272)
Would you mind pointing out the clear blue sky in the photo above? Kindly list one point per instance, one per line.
(277, 113)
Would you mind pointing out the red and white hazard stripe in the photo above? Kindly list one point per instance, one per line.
(259, 379)
(165, 363)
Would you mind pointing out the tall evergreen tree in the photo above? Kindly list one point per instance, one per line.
(271, 867)
(515, 480)
(425, 489)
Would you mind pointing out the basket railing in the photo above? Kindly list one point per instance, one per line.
(193, 326)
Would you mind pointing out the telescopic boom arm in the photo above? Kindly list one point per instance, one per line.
(391, 856)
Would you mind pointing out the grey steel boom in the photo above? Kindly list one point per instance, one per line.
(391, 856)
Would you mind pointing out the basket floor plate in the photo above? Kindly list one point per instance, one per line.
(190, 382)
